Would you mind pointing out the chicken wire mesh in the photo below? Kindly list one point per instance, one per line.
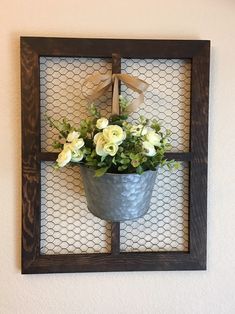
(168, 96)
(165, 226)
(63, 93)
(66, 224)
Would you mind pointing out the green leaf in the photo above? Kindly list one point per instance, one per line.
(121, 168)
(103, 158)
(177, 165)
(155, 125)
(125, 161)
(101, 171)
(123, 103)
(139, 170)
(56, 166)
(123, 155)
(57, 145)
(94, 111)
(132, 156)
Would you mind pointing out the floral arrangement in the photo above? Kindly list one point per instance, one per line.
(112, 144)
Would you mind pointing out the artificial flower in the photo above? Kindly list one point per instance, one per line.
(138, 130)
(111, 148)
(100, 147)
(153, 138)
(149, 149)
(97, 136)
(75, 145)
(102, 123)
(114, 134)
(72, 135)
(78, 156)
(64, 157)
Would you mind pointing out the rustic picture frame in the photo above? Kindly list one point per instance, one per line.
(198, 51)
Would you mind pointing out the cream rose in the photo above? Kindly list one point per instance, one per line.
(64, 157)
(100, 146)
(97, 136)
(72, 136)
(138, 130)
(114, 134)
(77, 156)
(111, 148)
(153, 138)
(149, 149)
(102, 123)
(76, 144)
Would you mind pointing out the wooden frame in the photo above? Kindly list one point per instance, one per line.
(195, 259)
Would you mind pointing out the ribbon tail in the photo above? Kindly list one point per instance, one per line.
(136, 85)
(133, 83)
(134, 105)
(102, 82)
(98, 92)
(115, 102)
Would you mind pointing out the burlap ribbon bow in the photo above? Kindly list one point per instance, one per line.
(103, 83)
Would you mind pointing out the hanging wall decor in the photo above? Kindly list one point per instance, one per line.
(74, 120)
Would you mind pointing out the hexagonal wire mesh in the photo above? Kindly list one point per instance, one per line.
(62, 92)
(66, 224)
(63, 225)
(168, 96)
(165, 226)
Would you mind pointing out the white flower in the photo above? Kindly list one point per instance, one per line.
(138, 130)
(102, 123)
(72, 135)
(97, 136)
(64, 157)
(76, 144)
(153, 138)
(111, 148)
(77, 156)
(100, 146)
(149, 149)
(114, 134)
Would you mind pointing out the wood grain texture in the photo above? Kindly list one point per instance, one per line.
(31, 49)
(126, 48)
(50, 156)
(30, 150)
(108, 262)
(115, 233)
(115, 238)
(199, 148)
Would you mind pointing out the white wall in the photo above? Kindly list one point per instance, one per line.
(207, 292)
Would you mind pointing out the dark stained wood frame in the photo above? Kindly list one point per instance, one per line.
(199, 53)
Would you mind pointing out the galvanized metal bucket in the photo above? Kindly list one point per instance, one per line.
(118, 197)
